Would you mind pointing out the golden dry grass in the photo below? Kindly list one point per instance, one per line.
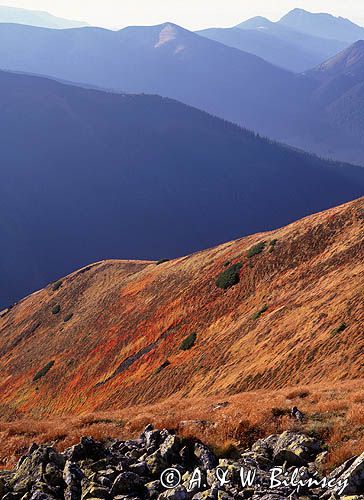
(305, 348)
(311, 282)
(333, 413)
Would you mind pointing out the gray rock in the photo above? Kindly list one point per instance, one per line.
(205, 458)
(179, 493)
(170, 447)
(72, 476)
(295, 449)
(94, 491)
(156, 463)
(354, 475)
(125, 483)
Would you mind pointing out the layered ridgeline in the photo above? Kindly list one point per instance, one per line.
(278, 44)
(267, 311)
(88, 175)
(36, 18)
(166, 60)
(298, 42)
(175, 63)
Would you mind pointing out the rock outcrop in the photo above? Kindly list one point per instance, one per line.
(162, 466)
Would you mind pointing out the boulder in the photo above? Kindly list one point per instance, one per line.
(266, 446)
(72, 476)
(125, 483)
(156, 464)
(354, 475)
(295, 449)
(170, 447)
(204, 456)
(87, 448)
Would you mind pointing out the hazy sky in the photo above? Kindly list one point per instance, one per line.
(192, 14)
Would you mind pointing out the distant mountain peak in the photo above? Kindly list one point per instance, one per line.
(167, 34)
(43, 19)
(323, 24)
(255, 23)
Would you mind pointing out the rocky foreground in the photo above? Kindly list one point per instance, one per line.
(142, 469)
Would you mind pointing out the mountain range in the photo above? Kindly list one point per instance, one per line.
(172, 62)
(277, 43)
(166, 60)
(36, 18)
(291, 314)
(299, 41)
(88, 174)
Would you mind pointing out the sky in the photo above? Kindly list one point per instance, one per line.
(192, 14)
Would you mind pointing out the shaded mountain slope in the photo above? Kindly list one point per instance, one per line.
(337, 100)
(166, 60)
(170, 61)
(88, 175)
(110, 335)
(276, 43)
(339, 74)
(36, 18)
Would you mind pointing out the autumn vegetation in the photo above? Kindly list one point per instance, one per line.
(165, 344)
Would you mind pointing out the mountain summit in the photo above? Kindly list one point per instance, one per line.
(323, 25)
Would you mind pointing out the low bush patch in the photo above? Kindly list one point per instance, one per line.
(229, 277)
(272, 245)
(43, 371)
(256, 249)
(258, 314)
(57, 285)
(56, 309)
(162, 261)
(162, 366)
(339, 329)
(188, 342)
(68, 317)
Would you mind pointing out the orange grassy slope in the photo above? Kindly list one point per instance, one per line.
(296, 317)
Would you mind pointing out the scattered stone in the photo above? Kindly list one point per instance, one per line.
(218, 406)
(131, 470)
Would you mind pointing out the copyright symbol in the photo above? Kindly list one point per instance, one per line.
(170, 478)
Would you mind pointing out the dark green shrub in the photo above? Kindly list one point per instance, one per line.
(229, 277)
(256, 249)
(162, 261)
(162, 366)
(56, 309)
(57, 285)
(258, 314)
(227, 263)
(43, 371)
(188, 342)
(339, 329)
(272, 244)
(68, 317)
